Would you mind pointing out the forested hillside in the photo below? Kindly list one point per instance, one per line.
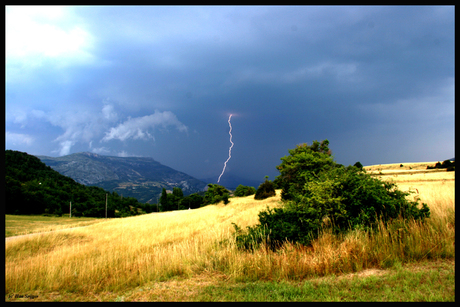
(31, 187)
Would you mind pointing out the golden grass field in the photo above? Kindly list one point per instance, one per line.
(16, 225)
(431, 186)
(134, 258)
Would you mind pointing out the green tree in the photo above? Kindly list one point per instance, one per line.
(178, 195)
(192, 201)
(178, 192)
(360, 166)
(214, 194)
(172, 203)
(164, 201)
(302, 165)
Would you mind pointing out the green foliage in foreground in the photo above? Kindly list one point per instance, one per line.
(319, 193)
(398, 284)
(424, 282)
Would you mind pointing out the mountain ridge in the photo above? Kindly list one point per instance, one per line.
(139, 177)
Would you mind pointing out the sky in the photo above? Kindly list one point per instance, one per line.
(162, 81)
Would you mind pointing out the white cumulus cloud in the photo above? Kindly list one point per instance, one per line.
(138, 128)
(18, 138)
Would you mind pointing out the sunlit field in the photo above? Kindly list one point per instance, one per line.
(435, 187)
(16, 225)
(129, 258)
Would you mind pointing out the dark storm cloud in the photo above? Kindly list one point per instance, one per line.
(161, 81)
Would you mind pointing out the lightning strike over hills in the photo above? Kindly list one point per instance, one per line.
(230, 149)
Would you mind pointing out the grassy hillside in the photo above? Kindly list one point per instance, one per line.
(189, 255)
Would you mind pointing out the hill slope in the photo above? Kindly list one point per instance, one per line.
(31, 187)
(139, 177)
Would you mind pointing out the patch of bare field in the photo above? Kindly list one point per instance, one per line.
(419, 176)
(397, 166)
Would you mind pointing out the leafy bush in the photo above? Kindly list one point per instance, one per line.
(215, 194)
(266, 189)
(242, 190)
(225, 198)
(320, 193)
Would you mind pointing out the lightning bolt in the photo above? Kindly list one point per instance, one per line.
(230, 149)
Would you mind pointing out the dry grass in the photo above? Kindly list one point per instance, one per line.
(16, 225)
(433, 187)
(127, 252)
(397, 166)
(101, 261)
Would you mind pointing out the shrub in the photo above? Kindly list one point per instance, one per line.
(265, 190)
(446, 164)
(242, 190)
(225, 198)
(449, 165)
(328, 195)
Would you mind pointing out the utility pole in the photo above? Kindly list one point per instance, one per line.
(105, 205)
(70, 211)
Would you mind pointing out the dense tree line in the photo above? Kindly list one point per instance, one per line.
(176, 200)
(31, 187)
